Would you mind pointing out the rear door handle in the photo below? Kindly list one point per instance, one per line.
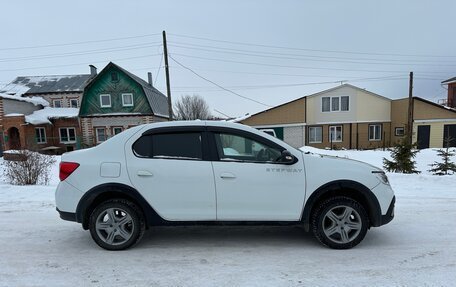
(144, 173)
(227, 175)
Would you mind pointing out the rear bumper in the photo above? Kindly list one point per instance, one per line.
(69, 216)
(390, 213)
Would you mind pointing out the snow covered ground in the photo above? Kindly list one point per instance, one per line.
(416, 249)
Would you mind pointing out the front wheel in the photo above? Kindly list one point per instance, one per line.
(116, 224)
(340, 222)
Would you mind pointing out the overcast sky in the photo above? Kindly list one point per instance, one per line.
(268, 51)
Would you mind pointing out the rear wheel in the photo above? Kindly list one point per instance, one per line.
(116, 224)
(340, 222)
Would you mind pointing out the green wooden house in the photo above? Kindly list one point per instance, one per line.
(115, 100)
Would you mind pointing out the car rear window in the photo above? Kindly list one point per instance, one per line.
(170, 146)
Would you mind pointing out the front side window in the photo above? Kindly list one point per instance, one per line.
(67, 135)
(335, 133)
(57, 103)
(40, 135)
(315, 134)
(185, 145)
(375, 132)
(105, 100)
(127, 100)
(101, 134)
(238, 148)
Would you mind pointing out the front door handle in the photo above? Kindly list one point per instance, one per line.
(144, 173)
(227, 175)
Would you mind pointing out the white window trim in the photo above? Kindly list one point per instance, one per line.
(101, 102)
(132, 100)
(113, 130)
(369, 134)
(45, 137)
(395, 131)
(68, 134)
(77, 103)
(321, 128)
(56, 100)
(96, 134)
(341, 134)
(330, 104)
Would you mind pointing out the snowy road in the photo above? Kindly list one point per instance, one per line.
(416, 249)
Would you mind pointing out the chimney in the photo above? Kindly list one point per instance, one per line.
(93, 70)
(149, 77)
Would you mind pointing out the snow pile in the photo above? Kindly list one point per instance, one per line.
(43, 116)
(33, 100)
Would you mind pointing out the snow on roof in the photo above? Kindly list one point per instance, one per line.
(43, 116)
(33, 100)
(45, 84)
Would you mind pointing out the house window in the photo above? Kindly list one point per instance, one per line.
(325, 104)
(57, 103)
(67, 135)
(399, 132)
(375, 132)
(127, 100)
(344, 103)
(101, 134)
(40, 135)
(334, 104)
(114, 77)
(74, 103)
(315, 134)
(335, 133)
(105, 100)
(116, 130)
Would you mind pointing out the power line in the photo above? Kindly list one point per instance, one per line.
(82, 53)
(159, 68)
(310, 50)
(225, 89)
(309, 57)
(79, 43)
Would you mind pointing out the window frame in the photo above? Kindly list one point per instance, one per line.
(96, 134)
(374, 139)
(397, 134)
(68, 135)
(309, 133)
(56, 101)
(113, 130)
(44, 134)
(77, 103)
(116, 74)
(123, 101)
(339, 104)
(341, 134)
(101, 101)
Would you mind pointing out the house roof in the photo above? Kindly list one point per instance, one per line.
(29, 85)
(451, 80)
(157, 101)
(435, 104)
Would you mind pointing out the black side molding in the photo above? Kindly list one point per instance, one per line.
(69, 216)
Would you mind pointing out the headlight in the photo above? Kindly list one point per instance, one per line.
(382, 176)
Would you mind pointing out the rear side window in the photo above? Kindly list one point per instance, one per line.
(170, 145)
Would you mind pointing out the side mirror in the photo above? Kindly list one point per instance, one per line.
(287, 157)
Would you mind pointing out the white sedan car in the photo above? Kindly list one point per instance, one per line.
(209, 173)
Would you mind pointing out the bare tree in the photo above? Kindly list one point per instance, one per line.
(192, 108)
(28, 168)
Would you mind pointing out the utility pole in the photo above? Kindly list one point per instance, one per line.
(168, 85)
(410, 110)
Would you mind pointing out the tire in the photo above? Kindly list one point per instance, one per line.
(339, 222)
(116, 224)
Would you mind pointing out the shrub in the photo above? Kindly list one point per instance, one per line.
(403, 154)
(29, 168)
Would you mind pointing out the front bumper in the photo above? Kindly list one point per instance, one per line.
(390, 213)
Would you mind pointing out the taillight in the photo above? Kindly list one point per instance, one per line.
(67, 168)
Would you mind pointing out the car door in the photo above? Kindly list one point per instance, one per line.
(250, 183)
(170, 169)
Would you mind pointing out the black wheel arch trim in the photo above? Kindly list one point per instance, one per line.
(373, 207)
(114, 190)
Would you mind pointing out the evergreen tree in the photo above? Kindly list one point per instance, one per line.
(445, 167)
(403, 154)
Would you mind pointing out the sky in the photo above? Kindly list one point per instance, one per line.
(240, 56)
